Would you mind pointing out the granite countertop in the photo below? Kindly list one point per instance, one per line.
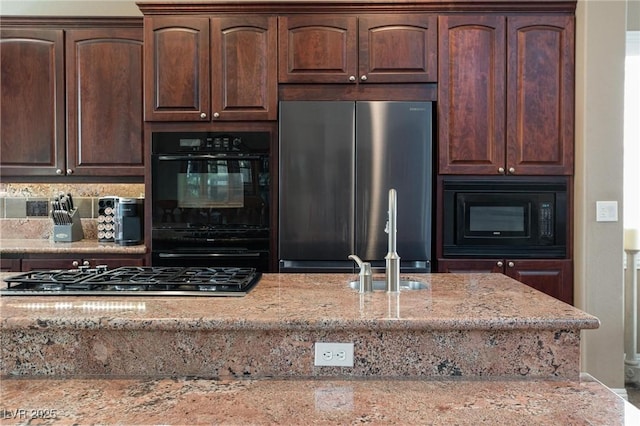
(313, 301)
(33, 246)
(196, 401)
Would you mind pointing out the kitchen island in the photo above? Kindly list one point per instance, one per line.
(466, 348)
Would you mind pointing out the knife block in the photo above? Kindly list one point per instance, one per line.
(69, 233)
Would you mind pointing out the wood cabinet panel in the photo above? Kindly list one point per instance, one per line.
(32, 116)
(45, 263)
(244, 68)
(317, 48)
(506, 95)
(540, 94)
(177, 74)
(471, 95)
(104, 83)
(398, 48)
(551, 276)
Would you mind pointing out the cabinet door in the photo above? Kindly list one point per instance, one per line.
(397, 48)
(244, 68)
(70, 263)
(540, 95)
(463, 266)
(317, 49)
(177, 68)
(32, 120)
(10, 265)
(104, 87)
(553, 277)
(471, 94)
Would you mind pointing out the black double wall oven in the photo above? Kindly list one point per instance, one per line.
(210, 195)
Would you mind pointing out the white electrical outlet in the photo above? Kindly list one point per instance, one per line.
(333, 354)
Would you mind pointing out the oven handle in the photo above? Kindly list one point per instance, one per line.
(208, 157)
(193, 255)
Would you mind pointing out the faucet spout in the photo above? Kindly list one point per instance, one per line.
(392, 273)
(366, 277)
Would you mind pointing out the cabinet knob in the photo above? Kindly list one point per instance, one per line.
(203, 115)
(512, 170)
(352, 78)
(501, 170)
(511, 264)
(69, 171)
(58, 171)
(216, 115)
(75, 263)
(500, 264)
(363, 78)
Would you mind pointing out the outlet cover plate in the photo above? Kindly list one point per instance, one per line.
(333, 354)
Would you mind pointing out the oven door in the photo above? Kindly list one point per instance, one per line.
(210, 189)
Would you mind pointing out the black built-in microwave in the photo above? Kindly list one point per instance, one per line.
(505, 217)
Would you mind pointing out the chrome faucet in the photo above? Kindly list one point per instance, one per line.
(392, 273)
(366, 277)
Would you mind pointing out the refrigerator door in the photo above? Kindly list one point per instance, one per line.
(316, 202)
(393, 150)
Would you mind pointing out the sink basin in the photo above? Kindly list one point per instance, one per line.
(382, 285)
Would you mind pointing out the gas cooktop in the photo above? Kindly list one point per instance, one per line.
(134, 281)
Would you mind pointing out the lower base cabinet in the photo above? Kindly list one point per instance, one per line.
(31, 264)
(551, 276)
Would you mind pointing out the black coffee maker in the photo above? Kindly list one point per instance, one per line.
(128, 220)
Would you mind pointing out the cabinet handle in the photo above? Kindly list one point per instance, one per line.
(75, 263)
(352, 78)
(69, 171)
(501, 170)
(363, 78)
(58, 171)
(203, 115)
(512, 170)
(511, 264)
(216, 114)
(500, 264)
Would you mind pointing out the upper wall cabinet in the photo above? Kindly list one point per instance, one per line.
(505, 95)
(102, 85)
(32, 117)
(202, 69)
(394, 48)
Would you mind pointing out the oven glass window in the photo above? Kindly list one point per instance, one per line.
(497, 219)
(200, 192)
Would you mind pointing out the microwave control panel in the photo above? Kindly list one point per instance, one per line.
(546, 220)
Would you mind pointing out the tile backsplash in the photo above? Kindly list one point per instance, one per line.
(24, 207)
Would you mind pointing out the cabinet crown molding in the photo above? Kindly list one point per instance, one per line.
(355, 6)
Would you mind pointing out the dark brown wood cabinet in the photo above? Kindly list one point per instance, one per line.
(392, 48)
(104, 102)
(71, 262)
(505, 94)
(32, 113)
(98, 72)
(551, 276)
(219, 68)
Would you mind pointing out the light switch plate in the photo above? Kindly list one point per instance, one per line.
(606, 211)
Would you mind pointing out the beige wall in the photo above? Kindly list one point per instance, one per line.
(599, 105)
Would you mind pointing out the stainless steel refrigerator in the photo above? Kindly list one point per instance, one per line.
(338, 160)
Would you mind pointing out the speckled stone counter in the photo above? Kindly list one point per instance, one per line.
(461, 325)
(313, 402)
(42, 246)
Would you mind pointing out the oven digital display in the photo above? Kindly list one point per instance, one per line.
(190, 143)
